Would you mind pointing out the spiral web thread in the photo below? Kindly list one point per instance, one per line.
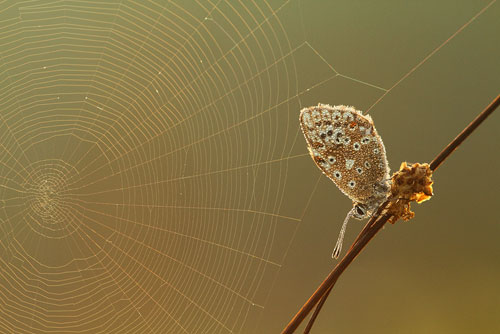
(146, 152)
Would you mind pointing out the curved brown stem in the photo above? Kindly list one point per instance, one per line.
(330, 280)
(464, 134)
(371, 228)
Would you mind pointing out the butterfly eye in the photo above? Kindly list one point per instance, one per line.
(360, 211)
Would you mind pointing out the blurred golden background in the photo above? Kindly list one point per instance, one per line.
(153, 176)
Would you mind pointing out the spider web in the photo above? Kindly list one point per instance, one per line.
(147, 153)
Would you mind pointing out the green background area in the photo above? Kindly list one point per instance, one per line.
(154, 179)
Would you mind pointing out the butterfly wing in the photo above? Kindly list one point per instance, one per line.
(345, 146)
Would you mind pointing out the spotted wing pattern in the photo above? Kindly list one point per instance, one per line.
(345, 145)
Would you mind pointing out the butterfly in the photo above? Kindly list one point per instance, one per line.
(346, 147)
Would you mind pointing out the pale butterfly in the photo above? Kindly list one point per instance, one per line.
(345, 145)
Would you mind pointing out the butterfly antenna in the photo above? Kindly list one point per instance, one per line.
(340, 240)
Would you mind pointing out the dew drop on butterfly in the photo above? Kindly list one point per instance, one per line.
(346, 147)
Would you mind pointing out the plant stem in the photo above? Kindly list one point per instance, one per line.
(338, 270)
(464, 134)
(371, 228)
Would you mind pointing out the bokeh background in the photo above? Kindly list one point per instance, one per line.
(153, 178)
